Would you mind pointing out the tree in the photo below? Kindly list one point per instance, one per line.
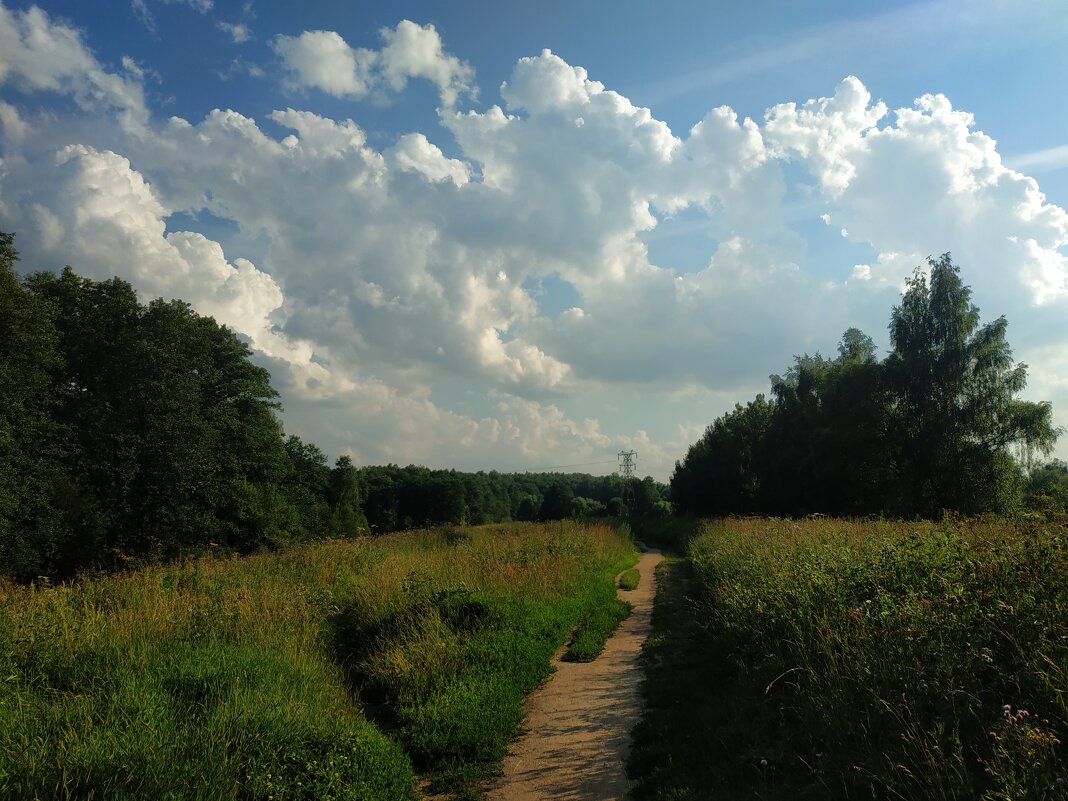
(930, 428)
(343, 495)
(954, 411)
(174, 443)
(1047, 487)
(722, 471)
(556, 504)
(35, 486)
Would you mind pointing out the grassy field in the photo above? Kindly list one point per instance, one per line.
(333, 671)
(834, 659)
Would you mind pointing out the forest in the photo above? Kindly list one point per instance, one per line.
(132, 432)
(935, 426)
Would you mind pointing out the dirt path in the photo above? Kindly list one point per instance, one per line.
(577, 731)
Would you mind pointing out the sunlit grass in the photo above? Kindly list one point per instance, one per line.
(630, 579)
(235, 678)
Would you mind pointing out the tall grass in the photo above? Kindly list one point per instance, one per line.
(246, 678)
(919, 660)
(451, 643)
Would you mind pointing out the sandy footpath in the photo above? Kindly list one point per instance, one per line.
(576, 736)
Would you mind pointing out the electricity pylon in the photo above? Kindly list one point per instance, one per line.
(627, 461)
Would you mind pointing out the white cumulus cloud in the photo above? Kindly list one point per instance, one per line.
(324, 60)
(391, 281)
(37, 54)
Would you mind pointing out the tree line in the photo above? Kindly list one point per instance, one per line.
(132, 431)
(932, 427)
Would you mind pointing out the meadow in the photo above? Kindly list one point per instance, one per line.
(827, 658)
(345, 669)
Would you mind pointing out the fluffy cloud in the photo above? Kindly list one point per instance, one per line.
(238, 31)
(37, 54)
(390, 289)
(925, 184)
(98, 207)
(323, 60)
(415, 153)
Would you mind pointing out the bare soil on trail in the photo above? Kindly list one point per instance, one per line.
(577, 731)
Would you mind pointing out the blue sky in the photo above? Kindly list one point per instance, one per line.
(455, 247)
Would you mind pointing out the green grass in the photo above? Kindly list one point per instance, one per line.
(834, 659)
(630, 579)
(593, 632)
(684, 740)
(249, 678)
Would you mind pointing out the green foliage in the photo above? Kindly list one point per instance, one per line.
(954, 410)
(171, 428)
(928, 429)
(203, 680)
(683, 745)
(721, 471)
(875, 659)
(556, 503)
(630, 580)
(397, 498)
(1047, 488)
(35, 517)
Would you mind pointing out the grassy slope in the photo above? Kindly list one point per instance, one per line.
(826, 659)
(227, 678)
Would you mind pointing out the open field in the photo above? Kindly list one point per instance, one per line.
(835, 659)
(335, 670)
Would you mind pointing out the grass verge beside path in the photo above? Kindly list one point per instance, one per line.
(685, 731)
(236, 678)
(630, 579)
(832, 659)
(595, 629)
(473, 631)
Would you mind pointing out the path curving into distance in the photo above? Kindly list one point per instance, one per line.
(576, 736)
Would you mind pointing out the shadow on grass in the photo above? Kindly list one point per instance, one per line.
(703, 734)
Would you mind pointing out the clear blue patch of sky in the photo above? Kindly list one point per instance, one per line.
(831, 256)
(552, 293)
(203, 222)
(682, 242)
(235, 242)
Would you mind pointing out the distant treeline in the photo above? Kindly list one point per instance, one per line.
(406, 497)
(932, 427)
(130, 431)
